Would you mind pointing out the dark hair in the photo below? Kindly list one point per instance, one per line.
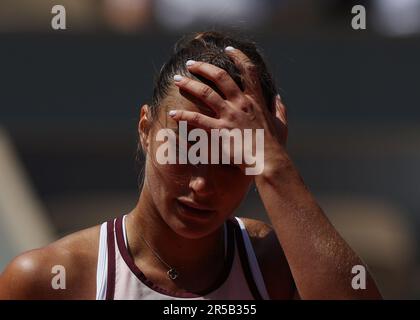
(208, 47)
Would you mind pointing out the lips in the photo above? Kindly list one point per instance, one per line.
(194, 205)
(195, 210)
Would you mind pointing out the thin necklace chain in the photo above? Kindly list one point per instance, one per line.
(172, 272)
(155, 253)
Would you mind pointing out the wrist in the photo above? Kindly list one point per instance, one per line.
(276, 158)
(277, 162)
(282, 176)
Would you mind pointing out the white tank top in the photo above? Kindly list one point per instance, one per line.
(119, 278)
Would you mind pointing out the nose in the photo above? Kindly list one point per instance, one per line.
(201, 183)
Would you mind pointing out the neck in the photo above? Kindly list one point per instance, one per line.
(190, 256)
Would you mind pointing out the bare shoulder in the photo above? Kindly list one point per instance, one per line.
(65, 269)
(271, 259)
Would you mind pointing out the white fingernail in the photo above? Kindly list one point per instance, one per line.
(172, 113)
(190, 63)
(177, 77)
(229, 48)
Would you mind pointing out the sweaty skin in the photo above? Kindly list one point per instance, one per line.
(301, 255)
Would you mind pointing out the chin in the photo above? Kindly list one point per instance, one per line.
(191, 228)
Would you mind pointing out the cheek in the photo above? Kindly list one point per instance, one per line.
(167, 176)
(233, 185)
(170, 179)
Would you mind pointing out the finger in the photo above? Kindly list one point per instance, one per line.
(280, 108)
(202, 92)
(281, 118)
(247, 68)
(195, 119)
(217, 75)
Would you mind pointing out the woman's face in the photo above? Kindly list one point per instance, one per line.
(193, 200)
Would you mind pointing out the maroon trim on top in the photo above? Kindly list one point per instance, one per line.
(110, 287)
(141, 276)
(243, 255)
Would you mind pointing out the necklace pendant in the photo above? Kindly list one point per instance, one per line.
(172, 274)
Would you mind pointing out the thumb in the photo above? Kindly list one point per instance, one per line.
(281, 112)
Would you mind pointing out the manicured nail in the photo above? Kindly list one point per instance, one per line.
(278, 97)
(172, 113)
(190, 63)
(229, 48)
(177, 77)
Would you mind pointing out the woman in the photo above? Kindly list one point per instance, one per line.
(180, 241)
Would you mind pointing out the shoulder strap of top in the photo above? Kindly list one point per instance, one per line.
(102, 266)
(110, 288)
(249, 262)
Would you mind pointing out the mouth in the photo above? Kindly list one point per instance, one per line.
(194, 210)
